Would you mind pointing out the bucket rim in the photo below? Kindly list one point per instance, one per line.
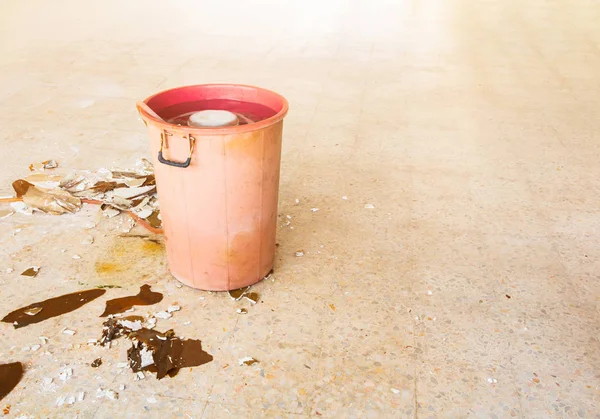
(149, 118)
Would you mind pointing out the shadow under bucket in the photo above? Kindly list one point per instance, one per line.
(218, 187)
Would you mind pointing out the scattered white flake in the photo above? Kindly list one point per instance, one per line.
(492, 380)
(65, 374)
(110, 212)
(146, 357)
(36, 347)
(60, 401)
(69, 332)
(314, 209)
(289, 217)
(134, 326)
(44, 339)
(9, 270)
(92, 341)
(122, 364)
(344, 197)
(395, 390)
(131, 310)
(416, 317)
(87, 240)
(26, 348)
(71, 400)
(159, 337)
(163, 315)
(429, 292)
(89, 225)
(151, 399)
(241, 311)
(299, 253)
(186, 323)
(171, 309)
(122, 387)
(140, 375)
(179, 285)
(81, 396)
(297, 201)
(111, 394)
(369, 206)
(76, 257)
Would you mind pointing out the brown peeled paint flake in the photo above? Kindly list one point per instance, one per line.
(21, 187)
(51, 307)
(145, 297)
(169, 352)
(153, 220)
(10, 375)
(31, 272)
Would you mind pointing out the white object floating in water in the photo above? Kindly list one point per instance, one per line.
(213, 118)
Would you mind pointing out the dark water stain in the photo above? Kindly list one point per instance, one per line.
(169, 352)
(10, 375)
(145, 297)
(239, 293)
(50, 308)
(130, 254)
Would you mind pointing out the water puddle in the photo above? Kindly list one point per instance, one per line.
(53, 307)
(145, 297)
(153, 351)
(10, 375)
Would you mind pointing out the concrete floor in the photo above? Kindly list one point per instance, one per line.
(469, 126)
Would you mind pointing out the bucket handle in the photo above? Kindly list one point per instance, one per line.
(182, 164)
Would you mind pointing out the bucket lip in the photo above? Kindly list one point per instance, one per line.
(221, 130)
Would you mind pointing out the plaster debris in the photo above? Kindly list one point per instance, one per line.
(299, 253)
(9, 270)
(241, 311)
(151, 399)
(345, 198)
(65, 374)
(369, 206)
(81, 396)
(314, 209)
(69, 332)
(395, 390)
(163, 315)
(88, 240)
(36, 347)
(76, 257)
(173, 308)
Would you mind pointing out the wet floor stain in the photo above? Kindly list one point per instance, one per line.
(10, 375)
(129, 254)
(152, 351)
(145, 297)
(168, 352)
(52, 307)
